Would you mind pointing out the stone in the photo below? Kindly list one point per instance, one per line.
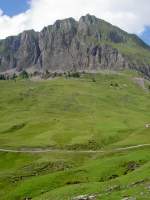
(129, 198)
(147, 125)
(85, 197)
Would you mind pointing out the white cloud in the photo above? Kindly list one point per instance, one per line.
(130, 15)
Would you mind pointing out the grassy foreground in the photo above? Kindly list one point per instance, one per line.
(93, 112)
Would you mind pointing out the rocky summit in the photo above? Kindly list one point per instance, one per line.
(89, 44)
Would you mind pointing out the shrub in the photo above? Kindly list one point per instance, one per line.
(114, 85)
(24, 75)
(2, 77)
(76, 75)
(93, 79)
(14, 77)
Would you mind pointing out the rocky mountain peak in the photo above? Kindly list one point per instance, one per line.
(86, 45)
(65, 24)
(88, 19)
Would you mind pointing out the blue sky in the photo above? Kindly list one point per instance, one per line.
(146, 35)
(130, 15)
(13, 7)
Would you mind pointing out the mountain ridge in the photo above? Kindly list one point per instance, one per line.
(69, 45)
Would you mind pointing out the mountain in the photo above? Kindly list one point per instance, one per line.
(85, 45)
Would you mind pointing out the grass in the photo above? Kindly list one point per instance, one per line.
(66, 113)
(74, 114)
(95, 175)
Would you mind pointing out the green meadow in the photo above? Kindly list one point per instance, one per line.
(76, 118)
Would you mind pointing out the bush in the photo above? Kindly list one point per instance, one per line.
(54, 74)
(76, 75)
(2, 77)
(93, 79)
(14, 77)
(72, 74)
(24, 75)
(114, 85)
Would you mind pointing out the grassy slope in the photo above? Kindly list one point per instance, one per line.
(93, 176)
(77, 114)
(134, 52)
(73, 112)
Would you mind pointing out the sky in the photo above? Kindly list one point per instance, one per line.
(16, 16)
(13, 7)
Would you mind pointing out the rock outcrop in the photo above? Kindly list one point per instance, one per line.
(90, 44)
(85, 197)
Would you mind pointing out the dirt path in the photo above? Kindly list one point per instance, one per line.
(35, 150)
(50, 150)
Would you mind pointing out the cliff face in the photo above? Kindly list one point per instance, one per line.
(90, 44)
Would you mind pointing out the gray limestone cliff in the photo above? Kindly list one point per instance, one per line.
(84, 45)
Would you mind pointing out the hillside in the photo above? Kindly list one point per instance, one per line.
(89, 44)
(72, 137)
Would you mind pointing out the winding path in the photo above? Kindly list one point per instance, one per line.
(36, 150)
